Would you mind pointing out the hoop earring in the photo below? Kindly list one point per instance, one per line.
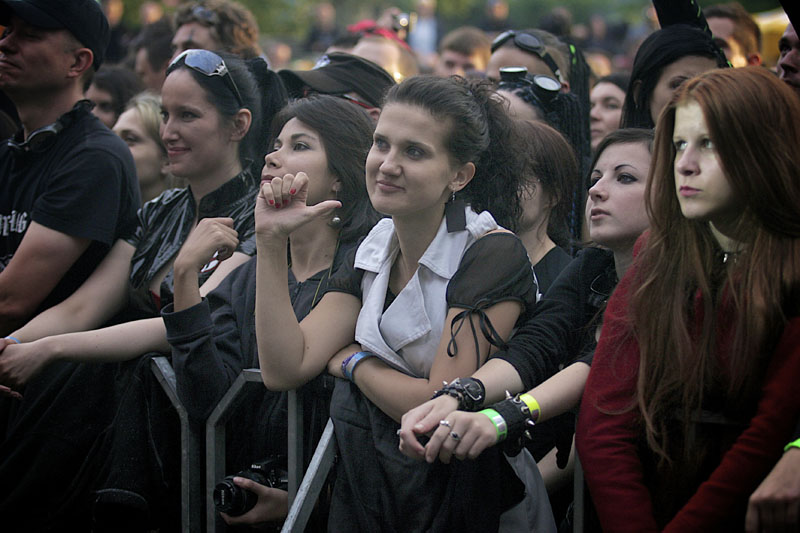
(454, 214)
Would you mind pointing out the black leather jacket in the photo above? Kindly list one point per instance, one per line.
(165, 223)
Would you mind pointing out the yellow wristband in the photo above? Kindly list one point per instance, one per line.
(533, 406)
(793, 444)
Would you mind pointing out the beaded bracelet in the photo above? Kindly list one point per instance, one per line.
(793, 444)
(499, 423)
(349, 364)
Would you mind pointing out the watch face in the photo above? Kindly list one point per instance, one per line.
(473, 389)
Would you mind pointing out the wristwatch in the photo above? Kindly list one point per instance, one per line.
(469, 392)
(474, 393)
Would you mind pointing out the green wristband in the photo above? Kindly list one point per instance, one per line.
(793, 444)
(499, 423)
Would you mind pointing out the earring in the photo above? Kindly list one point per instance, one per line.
(336, 221)
(454, 214)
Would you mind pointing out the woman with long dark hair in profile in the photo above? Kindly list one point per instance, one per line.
(693, 389)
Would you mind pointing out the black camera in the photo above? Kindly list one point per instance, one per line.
(235, 501)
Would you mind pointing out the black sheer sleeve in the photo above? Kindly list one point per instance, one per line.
(494, 269)
(347, 277)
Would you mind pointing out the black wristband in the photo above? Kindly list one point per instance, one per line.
(518, 422)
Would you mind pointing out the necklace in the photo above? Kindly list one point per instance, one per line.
(330, 271)
(729, 256)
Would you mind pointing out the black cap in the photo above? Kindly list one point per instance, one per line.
(82, 18)
(339, 73)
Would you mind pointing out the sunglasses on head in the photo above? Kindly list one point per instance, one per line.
(529, 43)
(207, 63)
(355, 101)
(204, 16)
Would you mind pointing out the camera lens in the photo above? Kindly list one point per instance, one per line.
(233, 500)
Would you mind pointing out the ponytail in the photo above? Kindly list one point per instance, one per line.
(269, 97)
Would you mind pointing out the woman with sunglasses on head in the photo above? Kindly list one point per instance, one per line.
(213, 338)
(215, 113)
(562, 330)
(425, 299)
(693, 390)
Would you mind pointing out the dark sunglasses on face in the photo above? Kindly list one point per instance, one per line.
(207, 63)
(529, 43)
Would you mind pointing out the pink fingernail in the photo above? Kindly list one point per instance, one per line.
(271, 202)
(292, 191)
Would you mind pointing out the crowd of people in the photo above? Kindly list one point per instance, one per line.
(484, 255)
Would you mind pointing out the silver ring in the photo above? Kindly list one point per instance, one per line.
(444, 423)
(455, 436)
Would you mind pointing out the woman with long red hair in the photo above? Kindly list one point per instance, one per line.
(692, 393)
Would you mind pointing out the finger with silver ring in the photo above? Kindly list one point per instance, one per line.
(444, 423)
(455, 436)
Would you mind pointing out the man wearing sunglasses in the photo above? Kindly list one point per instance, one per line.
(67, 184)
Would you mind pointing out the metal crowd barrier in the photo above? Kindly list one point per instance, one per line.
(197, 495)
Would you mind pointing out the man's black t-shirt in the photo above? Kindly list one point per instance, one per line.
(82, 182)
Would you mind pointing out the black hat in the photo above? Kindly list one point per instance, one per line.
(82, 18)
(339, 73)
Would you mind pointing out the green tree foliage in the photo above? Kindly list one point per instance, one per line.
(292, 18)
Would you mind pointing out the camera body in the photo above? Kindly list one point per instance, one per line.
(236, 501)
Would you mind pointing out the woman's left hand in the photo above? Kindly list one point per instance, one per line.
(211, 239)
(462, 434)
(18, 364)
(422, 420)
(272, 504)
